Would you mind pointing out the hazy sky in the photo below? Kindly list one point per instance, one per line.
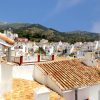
(63, 15)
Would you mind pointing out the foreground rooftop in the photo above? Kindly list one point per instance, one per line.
(24, 90)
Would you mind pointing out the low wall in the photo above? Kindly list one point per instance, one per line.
(23, 71)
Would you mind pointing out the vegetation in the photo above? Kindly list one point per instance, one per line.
(36, 32)
(40, 51)
(72, 55)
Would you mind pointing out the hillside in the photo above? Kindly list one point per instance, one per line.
(5, 25)
(35, 32)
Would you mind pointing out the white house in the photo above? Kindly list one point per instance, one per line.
(70, 78)
(5, 68)
(91, 58)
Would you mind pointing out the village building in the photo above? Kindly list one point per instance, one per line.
(70, 78)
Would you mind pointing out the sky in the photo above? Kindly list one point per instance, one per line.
(62, 15)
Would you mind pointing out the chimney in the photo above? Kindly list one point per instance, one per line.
(41, 93)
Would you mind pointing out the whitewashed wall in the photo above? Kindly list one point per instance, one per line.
(69, 95)
(41, 93)
(51, 84)
(23, 71)
(30, 58)
(92, 92)
(39, 75)
(44, 79)
(5, 77)
(91, 62)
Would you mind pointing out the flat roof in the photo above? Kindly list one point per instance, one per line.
(24, 90)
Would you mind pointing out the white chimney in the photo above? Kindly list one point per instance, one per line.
(41, 93)
(5, 77)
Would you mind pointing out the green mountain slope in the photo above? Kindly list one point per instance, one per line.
(35, 32)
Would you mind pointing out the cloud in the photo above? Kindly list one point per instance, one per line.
(96, 27)
(65, 4)
(61, 6)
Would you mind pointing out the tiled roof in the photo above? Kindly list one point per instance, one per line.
(69, 74)
(24, 90)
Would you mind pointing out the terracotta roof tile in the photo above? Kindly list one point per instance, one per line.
(69, 74)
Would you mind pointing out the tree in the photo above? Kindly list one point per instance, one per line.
(40, 51)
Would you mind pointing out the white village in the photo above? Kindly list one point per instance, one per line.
(48, 70)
